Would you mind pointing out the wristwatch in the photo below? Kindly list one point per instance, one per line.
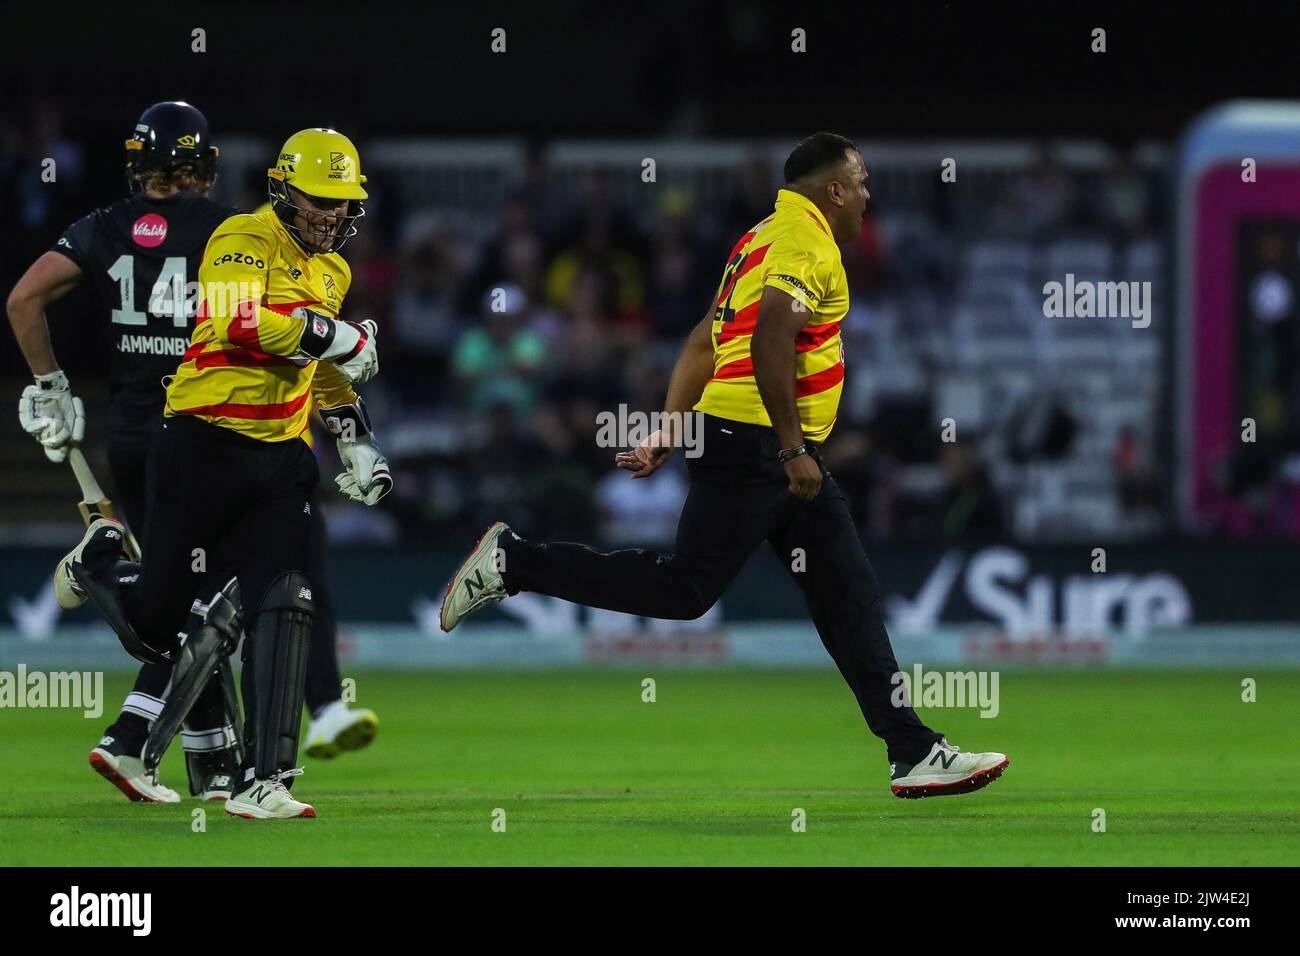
(790, 454)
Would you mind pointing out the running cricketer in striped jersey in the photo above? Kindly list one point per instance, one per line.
(136, 255)
(765, 369)
(231, 470)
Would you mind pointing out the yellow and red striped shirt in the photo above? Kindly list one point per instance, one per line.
(241, 370)
(794, 251)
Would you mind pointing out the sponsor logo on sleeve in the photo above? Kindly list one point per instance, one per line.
(795, 281)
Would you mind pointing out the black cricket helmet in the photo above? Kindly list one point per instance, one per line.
(170, 135)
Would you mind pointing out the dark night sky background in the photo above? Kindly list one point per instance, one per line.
(699, 69)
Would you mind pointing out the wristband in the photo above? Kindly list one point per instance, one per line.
(318, 333)
(347, 422)
(55, 381)
(790, 454)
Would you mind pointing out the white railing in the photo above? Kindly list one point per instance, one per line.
(474, 173)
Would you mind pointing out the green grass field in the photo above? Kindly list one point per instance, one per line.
(709, 774)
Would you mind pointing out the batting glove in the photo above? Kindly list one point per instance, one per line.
(367, 478)
(50, 413)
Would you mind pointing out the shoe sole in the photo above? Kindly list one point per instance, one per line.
(325, 750)
(456, 578)
(67, 593)
(355, 736)
(105, 770)
(976, 781)
(308, 814)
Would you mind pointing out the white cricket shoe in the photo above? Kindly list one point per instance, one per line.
(67, 591)
(217, 771)
(477, 583)
(946, 771)
(339, 729)
(217, 786)
(269, 800)
(126, 772)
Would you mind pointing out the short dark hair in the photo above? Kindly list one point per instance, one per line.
(814, 153)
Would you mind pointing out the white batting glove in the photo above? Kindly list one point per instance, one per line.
(50, 413)
(352, 346)
(367, 478)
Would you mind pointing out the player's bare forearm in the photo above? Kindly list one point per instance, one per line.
(49, 278)
(773, 350)
(27, 318)
(690, 375)
(692, 372)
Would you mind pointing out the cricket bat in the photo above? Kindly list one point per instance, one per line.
(94, 504)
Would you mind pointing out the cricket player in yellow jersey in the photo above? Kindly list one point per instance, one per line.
(764, 369)
(231, 468)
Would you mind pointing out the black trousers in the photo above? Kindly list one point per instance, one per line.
(216, 492)
(217, 495)
(738, 499)
(129, 465)
(324, 683)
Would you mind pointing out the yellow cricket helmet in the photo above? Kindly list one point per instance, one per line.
(320, 164)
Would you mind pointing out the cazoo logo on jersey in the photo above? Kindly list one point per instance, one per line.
(245, 258)
(999, 584)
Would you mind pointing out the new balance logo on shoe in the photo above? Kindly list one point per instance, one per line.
(260, 794)
(944, 758)
(474, 582)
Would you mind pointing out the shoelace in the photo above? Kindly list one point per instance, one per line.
(278, 778)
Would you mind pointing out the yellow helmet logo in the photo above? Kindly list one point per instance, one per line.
(186, 141)
(324, 163)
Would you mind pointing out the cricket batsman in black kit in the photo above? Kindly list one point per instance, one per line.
(230, 472)
(139, 255)
(764, 369)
